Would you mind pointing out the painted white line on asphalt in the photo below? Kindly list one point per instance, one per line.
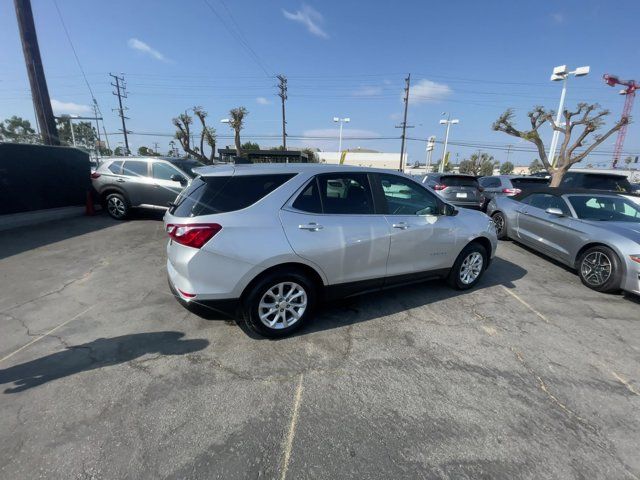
(514, 295)
(45, 334)
(292, 428)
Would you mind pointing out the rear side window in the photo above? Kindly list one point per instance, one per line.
(523, 183)
(459, 181)
(613, 183)
(490, 182)
(210, 195)
(345, 194)
(135, 168)
(115, 167)
(309, 199)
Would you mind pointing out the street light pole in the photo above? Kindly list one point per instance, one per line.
(341, 121)
(448, 122)
(562, 73)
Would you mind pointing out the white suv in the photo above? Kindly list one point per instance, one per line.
(274, 239)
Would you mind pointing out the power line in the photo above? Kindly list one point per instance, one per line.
(238, 35)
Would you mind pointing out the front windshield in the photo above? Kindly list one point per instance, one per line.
(605, 208)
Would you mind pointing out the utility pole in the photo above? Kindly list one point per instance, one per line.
(35, 71)
(282, 86)
(404, 122)
(121, 93)
(508, 152)
(155, 146)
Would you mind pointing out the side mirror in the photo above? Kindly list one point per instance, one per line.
(556, 212)
(448, 210)
(179, 178)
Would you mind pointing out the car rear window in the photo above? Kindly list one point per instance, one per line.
(614, 183)
(210, 195)
(523, 183)
(458, 181)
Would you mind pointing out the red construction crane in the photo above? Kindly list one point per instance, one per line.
(630, 95)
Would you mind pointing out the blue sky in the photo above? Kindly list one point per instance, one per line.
(343, 58)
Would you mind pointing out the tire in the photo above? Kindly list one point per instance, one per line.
(267, 291)
(500, 221)
(600, 269)
(468, 267)
(117, 206)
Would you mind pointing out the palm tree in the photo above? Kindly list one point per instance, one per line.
(236, 121)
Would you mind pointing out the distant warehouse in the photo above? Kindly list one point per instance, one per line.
(363, 158)
(265, 156)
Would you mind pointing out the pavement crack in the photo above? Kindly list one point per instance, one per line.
(626, 383)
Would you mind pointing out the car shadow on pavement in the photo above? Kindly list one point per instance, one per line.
(362, 308)
(103, 352)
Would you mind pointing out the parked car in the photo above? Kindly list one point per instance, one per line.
(460, 190)
(123, 183)
(596, 233)
(274, 239)
(508, 185)
(591, 180)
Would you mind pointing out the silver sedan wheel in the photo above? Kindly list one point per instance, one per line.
(116, 207)
(498, 221)
(596, 268)
(471, 268)
(282, 305)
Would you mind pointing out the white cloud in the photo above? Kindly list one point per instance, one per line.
(263, 101)
(427, 91)
(557, 17)
(367, 91)
(69, 108)
(139, 45)
(395, 116)
(308, 17)
(327, 138)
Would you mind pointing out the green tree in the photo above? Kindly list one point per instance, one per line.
(183, 124)
(246, 146)
(628, 161)
(17, 130)
(447, 164)
(506, 168)
(84, 133)
(536, 166)
(586, 116)
(311, 155)
(147, 152)
(481, 164)
(119, 151)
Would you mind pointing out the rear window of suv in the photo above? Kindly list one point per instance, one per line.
(458, 181)
(528, 182)
(614, 183)
(210, 195)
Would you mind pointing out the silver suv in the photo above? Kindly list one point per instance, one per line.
(123, 183)
(274, 240)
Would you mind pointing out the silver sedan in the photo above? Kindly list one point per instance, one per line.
(598, 234)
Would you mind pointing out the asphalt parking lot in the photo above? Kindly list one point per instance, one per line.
(104, 375)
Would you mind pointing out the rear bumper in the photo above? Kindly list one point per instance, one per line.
(225, 306)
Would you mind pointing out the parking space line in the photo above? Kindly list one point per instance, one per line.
(45, 334)
(514, 295)
(292, 428)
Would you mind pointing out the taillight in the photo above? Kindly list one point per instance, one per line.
(95, 175)
(511, 191)
(635, 258)
(186, 295)
(193, 234)
(439, 187)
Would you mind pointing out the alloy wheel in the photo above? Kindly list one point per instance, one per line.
(596, 268)
(282, 305)
(116, 207)
(498, 221)
(471, 268)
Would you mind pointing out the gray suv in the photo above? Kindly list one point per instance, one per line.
(123, 183)
(508, 185)
(458, 189)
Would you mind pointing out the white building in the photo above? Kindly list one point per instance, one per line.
(363, 158)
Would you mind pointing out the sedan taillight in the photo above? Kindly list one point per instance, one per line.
(511, 191)
(95, 175)
(193, 234)
(439, 187)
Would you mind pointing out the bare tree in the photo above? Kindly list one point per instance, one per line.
(183, 124)
(236, 121)
(587, 116)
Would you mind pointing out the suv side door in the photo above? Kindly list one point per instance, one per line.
(165, 189)
(333, 223)
(136, 181)
(422, 239)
